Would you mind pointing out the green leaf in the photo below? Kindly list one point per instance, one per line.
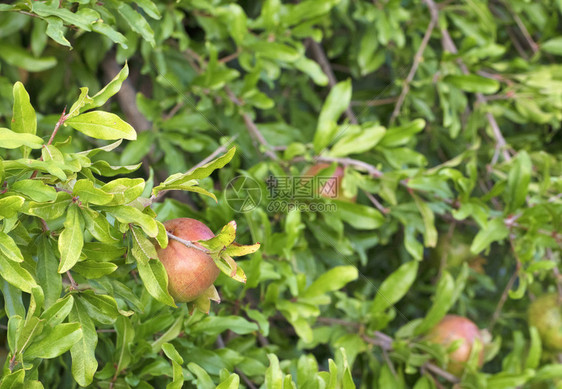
(357, 142)
(21, 58)
(429, 231)
(10, 205)
(442, 302)
(100, 308)
(57, 341)
(473, 83)
(89, 194)
(81, 20)
(71, 239)
(155, 280)
(13, 380)
(36, 190)
(108, 91)
(136, 21)
(13, 140)
(214, 325)
(494, 231)
(127, 214)
(13, 304)
(359, 216)
(84, 363)
(395, 286)
(124, 190)
(111, 33)
(24, 119)
(275, 50)
(125, 338)
(58, 311)
(553, 46)
(47, 276)
(399, 136)
(232, 382)
(94, 269)
(102, 125)
(334, 279)
(224, 238)
(172, 353)
(336, 103)
(16, 275)
(100, 228)
(518, 181)
(175, 180)
(143, 249)
(55, 30)
(203, 379)
(9, 249)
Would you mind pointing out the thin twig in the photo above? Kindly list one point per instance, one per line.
(322, 60)
(417, 59)
(187, 243)
(377, 203)
(532, 44)
(214, 154)
(440, 372)
(373, 171)
(252, 127)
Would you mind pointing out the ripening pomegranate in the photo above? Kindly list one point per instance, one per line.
(451, 329)
(545, 313)
(190, 271)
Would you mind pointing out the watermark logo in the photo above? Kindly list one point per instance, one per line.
(284, 193)
(243, 194)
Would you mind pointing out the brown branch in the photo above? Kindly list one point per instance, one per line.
(440, 372)
(252, 127)
(322, 60)
(377, 203)
(532, 44)
(417, 59)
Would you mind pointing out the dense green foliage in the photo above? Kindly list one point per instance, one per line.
(446, 117)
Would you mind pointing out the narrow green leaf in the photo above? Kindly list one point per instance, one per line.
(13, 140)
(395, 286)
(58, 341)
(9, 249)
(334, 279)
(518, 181)
(109, 90)
(36, 190)
(429, 231)
(155, 280)
(83, 352)
(473, 83)
(16, 275)
(24, 119)
(336, 103)
(102, 125)
(71, 239)
(494, 231)
(47, 265)
(442, 302)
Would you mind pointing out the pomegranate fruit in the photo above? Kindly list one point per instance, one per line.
(545, 313)
(191, 272)
(451, 329)
(331, 189)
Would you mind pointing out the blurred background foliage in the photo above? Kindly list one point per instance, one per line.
(446, 116)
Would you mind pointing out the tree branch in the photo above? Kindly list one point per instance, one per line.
(417, 59)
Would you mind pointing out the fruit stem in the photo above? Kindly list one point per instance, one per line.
(187, 243)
